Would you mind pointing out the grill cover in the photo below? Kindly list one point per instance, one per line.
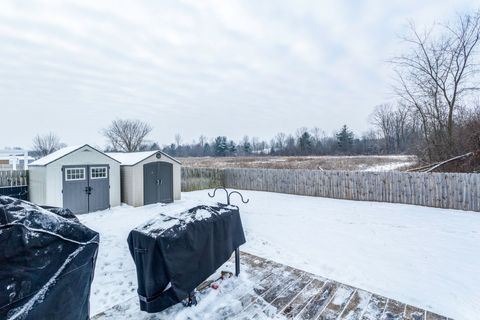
(174, 254)
(47, 260)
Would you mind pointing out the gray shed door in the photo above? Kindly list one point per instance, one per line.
(157, 182)
(99, 183)
(86, 188)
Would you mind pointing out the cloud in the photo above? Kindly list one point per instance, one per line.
(209, 67)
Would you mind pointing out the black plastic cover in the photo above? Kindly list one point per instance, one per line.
(174, 254)
(47, 260)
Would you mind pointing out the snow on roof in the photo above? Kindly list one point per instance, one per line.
(61, 153)
(55, 155)
(132, 158)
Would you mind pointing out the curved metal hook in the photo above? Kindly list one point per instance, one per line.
(228, 194)
(215, 190)
(241, 197)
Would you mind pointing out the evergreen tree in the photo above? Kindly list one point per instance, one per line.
(154, 146)
(221, 146)
(247, 147)
(305, 143)
(207, 149)
(345, 139)
(232, 148)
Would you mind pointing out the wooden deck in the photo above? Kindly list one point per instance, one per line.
(284, 292)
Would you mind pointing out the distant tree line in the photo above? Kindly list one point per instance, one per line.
(303, 143)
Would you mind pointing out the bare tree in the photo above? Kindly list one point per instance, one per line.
(127, 135)
(382, 119)
(279, 140)
(202, 140)
(435, 76)
(178, 139)
(45, 144)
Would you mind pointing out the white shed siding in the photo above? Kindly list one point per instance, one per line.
(84, 156)
(36, 185)
(127, 184)
(177, 181)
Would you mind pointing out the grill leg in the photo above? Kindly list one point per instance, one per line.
(237, 262)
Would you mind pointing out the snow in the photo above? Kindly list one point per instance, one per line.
(390, 166)
(132, 158)
(164, 223)
(55, 155)
(426, 257)
(35, 218)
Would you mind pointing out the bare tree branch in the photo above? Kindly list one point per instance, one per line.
(127, 135)
(45, 144)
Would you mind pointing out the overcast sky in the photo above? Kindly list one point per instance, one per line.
(198, 67)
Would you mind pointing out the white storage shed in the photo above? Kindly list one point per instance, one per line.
(148, 177)
(80, 178)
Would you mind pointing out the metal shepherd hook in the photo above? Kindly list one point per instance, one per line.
(237, 250)
(229, 194)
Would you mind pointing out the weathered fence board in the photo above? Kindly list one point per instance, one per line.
(201, 178)
(14, 183)
(12, 178)
(441, 190)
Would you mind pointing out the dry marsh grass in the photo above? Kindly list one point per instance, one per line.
(350, 163)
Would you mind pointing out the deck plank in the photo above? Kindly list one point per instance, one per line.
(394, 310)
(414, 313)
(301, 300)
(337, 304)
(375, 307)
(316, 305)
(356, 306)
(262, 304)
(434, 316)
(291, 292)
(288, 279)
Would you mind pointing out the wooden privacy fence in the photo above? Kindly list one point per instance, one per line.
(201, 178)
(14, 183)
(13, 178)
(441, 190)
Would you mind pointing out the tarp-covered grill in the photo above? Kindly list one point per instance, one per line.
(47, 260)
(174, 253)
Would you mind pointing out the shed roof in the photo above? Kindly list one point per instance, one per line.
(62, 153)
(132, 158)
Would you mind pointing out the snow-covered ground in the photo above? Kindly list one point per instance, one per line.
(393, 166)
(349, 163)
(426, 257)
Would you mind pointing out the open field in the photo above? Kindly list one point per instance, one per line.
(350, 163)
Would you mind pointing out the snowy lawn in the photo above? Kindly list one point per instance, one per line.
(422, 256)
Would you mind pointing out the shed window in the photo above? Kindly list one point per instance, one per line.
(98, 172)
(74, 174)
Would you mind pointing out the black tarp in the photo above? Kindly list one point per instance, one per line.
(47, 261)
(174, 254)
